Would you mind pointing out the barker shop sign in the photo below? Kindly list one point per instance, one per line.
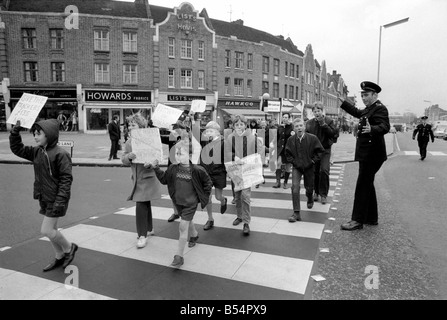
(117, 96)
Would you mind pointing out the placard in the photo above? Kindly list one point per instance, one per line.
(146, 145)
(27, 110)
(198, 106)
(247, 174)
(164, 116)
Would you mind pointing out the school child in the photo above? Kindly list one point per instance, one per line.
(240, 144)
(302, 150)
(52, 184)
(145, 187)
(188, 185)
(212, 160)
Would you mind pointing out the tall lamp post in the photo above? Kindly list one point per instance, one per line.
(264, 104)
(388, 25)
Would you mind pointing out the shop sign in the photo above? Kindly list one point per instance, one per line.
(95, 110)
(117, 96)
(274, 106)
(185, 98)
(238, 103)
(49, 93)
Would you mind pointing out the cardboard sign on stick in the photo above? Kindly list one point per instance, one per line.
(164, 116)
(27, 110)
(146, 144)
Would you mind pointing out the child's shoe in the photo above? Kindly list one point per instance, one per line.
(192, 241)
(141, 243)
(177, 262)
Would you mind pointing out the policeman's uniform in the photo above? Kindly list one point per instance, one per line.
(370, 152)
(424, 132)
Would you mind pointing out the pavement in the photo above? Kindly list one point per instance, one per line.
(93, 149)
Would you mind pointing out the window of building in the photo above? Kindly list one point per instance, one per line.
(201, 50)
(276, 90)
(227, 58)
(297, 94)
(57, 38)
(286, 68)
(250, 88)
(186, 79)
(276, 66)
(58, 72)
(102, 73)
(292, 70)
(266, 64)
(31, 72)
(201, 79)
(250, 61)
(130, 74)
(265, 87)
(171, 78)
(101, 40)
(171, 47)
(291, 95)
(227, 86)
(186, 49)
(130, 41)
(285, 91)
(29, 38)
(238, 87)
(297, 71)
(239, 60)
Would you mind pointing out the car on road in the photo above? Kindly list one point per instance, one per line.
(440, 131)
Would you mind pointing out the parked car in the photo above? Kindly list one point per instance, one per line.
(440, 131)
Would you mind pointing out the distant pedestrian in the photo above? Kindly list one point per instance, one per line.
(74, 121)
(424, 132)
(212, 160)
(370, 152)
(324, 128)
(303, 152)
(145, 185)
(115, 136)
(285, 131)
(52, 184)
(188, 185)
(61, 118)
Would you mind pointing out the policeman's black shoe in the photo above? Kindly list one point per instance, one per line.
(70, 256)
(351, 226)
(55, 264)
(372, 223)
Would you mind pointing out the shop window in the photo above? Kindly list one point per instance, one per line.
(97, 118)
(129, 41)
(58, 72)
(57, 39)
(101, 39)
(31, 72)
(29, 38)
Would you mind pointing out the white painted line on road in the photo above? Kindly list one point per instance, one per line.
(4, 249)
(331, 219)
(334, 209)
(93, 218)
(324, 250)
(328, 231)
(318, 278)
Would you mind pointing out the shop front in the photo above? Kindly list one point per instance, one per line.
(226, 108)
(101, 105)
(62, 103)
(183, 102)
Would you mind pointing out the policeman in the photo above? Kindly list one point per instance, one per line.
(370, 152)
(424, 132)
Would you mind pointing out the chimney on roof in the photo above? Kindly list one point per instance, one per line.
(239, 22)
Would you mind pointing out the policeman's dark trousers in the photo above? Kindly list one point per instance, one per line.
(308, 185)
(365, 200)
(322, 171)
(113, 148)
(143, 218)
(423, 148)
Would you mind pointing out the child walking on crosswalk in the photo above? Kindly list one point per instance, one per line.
(188, 185)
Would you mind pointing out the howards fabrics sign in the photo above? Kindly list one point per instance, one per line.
(117, 96)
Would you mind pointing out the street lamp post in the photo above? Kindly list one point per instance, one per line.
(388, 25)
(264, 103)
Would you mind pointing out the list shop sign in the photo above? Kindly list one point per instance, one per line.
(183, 25)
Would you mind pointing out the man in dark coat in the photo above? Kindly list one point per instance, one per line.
(424, 132)
(370, 152)
(115, 136)
(284, 133)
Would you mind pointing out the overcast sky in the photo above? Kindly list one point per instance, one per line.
(345, 33)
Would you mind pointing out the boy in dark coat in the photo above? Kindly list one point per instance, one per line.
(52, 184)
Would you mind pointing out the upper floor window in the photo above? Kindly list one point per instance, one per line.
(102, 73)
(31, 72)
(227, 58)
(249, 88)
(101, 39)
(186, 49)
(291, 94)
(171, 47)
(29, 38)
(130, 75)
(250, 61)
(171, 78)
(297, 93)
(57, 38)
(239, 60)
(276, 66)
(285, 91)
(186, 79)
(129, 41)
(201, 50)
(286, 69)
(297, 72)
(265, 87)
(58, 72)
(201, 79)
(266, 64)
(227, 86)
(276, 90)
(292, 70)
(238, 87)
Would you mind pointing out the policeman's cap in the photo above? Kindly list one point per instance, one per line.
(370, 86)
(424, 118)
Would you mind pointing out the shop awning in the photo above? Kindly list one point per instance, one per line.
(287, 103)
(246, 112)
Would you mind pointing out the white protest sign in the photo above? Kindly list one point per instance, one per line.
(198, 106)
(246, 175)
(164, 116)
(27, 110)
(146, 145)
